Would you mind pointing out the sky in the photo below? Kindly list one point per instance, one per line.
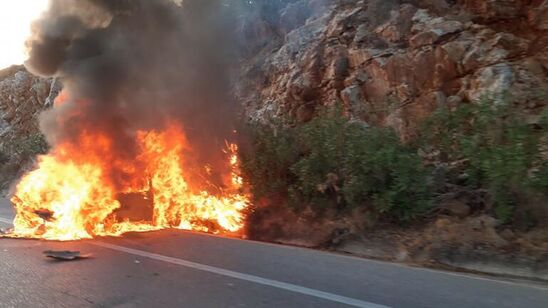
(16, 17)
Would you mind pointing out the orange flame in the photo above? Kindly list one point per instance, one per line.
(69, 195)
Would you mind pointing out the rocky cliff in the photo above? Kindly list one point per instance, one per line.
(22, 98)
(388, 63)
(391, 62)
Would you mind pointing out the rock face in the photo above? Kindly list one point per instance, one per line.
(22, 98)
(391, 62)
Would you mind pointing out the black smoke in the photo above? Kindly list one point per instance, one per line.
(132, 65)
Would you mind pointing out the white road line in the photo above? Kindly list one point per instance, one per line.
(251, 278)
(465, 276)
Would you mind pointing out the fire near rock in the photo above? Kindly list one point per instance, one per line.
(139, 133)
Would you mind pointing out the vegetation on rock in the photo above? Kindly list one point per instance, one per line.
(498, 150)
(17, 153)
(332, 162)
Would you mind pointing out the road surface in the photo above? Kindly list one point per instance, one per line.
(183, 269)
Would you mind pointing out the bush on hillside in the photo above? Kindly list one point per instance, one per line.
(16, 153)
(266, 165)
(331, 162)
(502, 152)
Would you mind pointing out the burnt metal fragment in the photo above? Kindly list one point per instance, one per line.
(65, 255)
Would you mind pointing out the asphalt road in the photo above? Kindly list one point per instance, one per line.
(182, 269)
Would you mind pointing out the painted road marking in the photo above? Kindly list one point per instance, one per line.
(251, 278)
(465, 276)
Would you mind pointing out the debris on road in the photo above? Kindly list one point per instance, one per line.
(65, 255)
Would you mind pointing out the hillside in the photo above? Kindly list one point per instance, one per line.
(395, 65)
(393, 62)
(406, 130)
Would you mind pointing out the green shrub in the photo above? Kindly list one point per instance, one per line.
(31, 146)
(15, 153)
(539, 172)
(319, 169)
(23, 149)
(379, 167)
(332, 162)
(266, 166)
(501, 150)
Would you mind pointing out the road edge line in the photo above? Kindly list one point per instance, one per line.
(246, 277)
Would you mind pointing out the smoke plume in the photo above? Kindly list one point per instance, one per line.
(130, 65)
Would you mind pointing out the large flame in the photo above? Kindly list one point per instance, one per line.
(69, 195)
